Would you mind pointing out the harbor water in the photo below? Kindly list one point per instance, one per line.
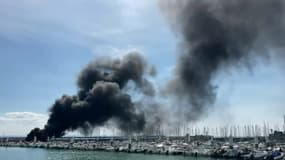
(11, 153)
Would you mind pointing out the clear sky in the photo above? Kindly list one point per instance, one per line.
(45, 43)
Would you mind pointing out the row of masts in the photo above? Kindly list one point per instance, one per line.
(219, 131)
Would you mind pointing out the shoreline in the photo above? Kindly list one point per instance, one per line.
(63, 146)
(131, 152)
(239, 150)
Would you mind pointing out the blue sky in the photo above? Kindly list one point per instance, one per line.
(45, 43)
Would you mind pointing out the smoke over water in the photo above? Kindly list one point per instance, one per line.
(217, 35)
(101, 97)
(214, 35)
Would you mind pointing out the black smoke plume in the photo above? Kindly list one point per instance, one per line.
(217, 35)
(101, 97)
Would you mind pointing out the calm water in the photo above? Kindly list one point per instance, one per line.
(51, 154)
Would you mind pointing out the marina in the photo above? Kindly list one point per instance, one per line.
(185, 146)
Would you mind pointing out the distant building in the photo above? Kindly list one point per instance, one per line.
(277, 136)
(201, 138)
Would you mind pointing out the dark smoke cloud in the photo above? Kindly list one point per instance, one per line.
(101, 97)
(217, 35)
(131, 67)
